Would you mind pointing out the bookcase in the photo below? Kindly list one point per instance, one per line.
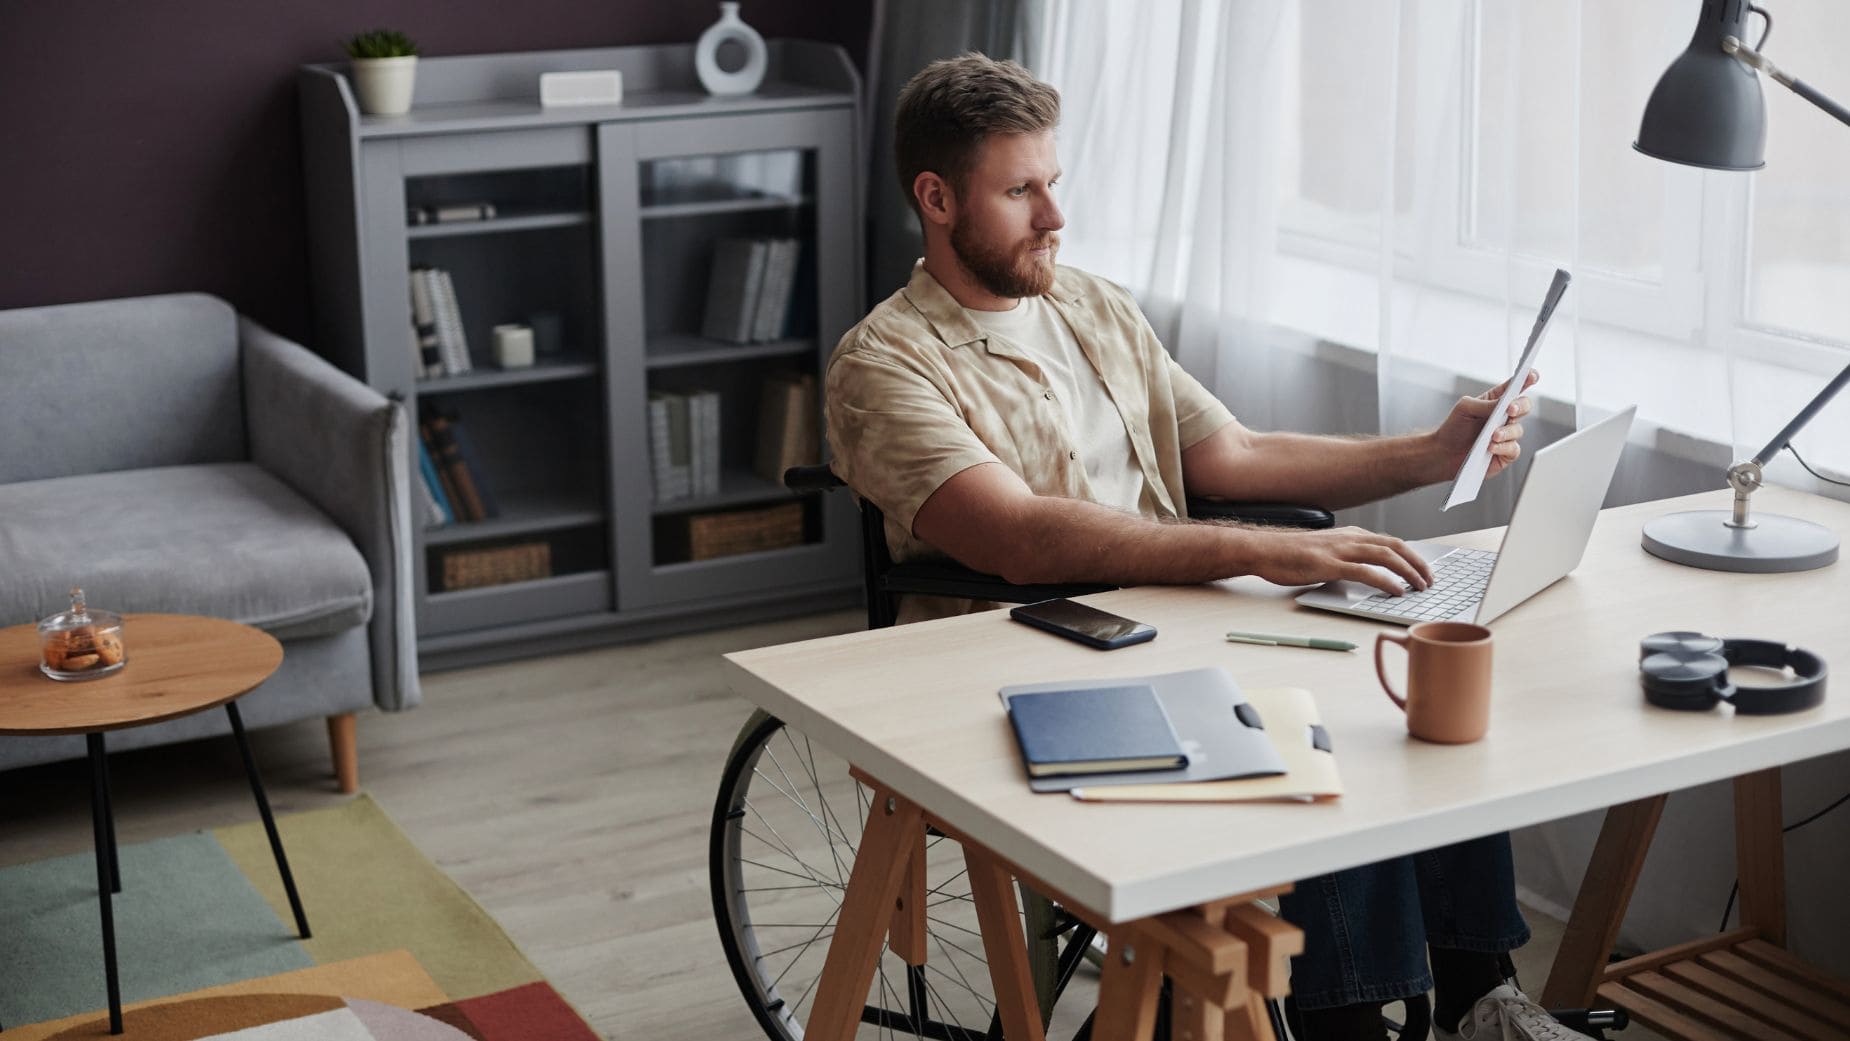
(675, 248)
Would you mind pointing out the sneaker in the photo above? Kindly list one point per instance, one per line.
(1507, 1014)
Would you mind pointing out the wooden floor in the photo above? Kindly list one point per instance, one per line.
(569, 795)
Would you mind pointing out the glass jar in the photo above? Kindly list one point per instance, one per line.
(81, 643)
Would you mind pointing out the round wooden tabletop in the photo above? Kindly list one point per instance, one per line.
(177, 665)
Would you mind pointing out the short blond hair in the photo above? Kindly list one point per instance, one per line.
(948, 109)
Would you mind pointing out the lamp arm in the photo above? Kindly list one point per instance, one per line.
(1755, 60)
(1765, 455)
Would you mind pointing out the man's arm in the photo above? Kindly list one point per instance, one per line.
(1337, 472)
(988, 519)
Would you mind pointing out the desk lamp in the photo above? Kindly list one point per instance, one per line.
(1707, 111)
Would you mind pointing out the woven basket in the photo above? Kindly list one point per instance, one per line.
(712, 535)
(474, 568)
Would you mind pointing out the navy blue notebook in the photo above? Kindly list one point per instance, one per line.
(1100, 730)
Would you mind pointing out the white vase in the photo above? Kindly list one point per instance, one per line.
(730, 29)
(384, 84)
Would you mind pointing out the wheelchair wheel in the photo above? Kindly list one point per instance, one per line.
(786, 825)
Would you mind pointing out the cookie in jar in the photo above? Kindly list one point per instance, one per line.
(81, 643)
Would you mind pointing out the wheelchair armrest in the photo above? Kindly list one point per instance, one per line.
(1269, 514)
(812, 477)
(938, 579)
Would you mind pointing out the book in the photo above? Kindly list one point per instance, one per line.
(465, 497)
(734, 284)
(789, 429)
(671, 478)
(453, 342)
(704, 441)
(455, 212)
(433, 487)
(1094, 730)
(774, 300)
(1295, 729)
(472, 462)
(429, 352)
(1223, 735)
(452, 499)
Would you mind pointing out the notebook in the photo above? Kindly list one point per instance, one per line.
(1093, 731)
(1221, 734)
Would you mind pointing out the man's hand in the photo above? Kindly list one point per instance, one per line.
(1456, 435)
(1301, 558)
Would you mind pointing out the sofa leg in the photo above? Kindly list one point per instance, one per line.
(344, 742)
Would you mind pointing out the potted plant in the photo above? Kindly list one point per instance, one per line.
(385, 64)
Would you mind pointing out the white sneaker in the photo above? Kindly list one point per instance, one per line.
(1507, 1014)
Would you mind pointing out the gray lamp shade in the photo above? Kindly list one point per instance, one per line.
(1707, 109)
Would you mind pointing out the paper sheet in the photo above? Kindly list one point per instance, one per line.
(1310, 772)
(1470, 479)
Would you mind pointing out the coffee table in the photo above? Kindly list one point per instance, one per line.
(177, 665)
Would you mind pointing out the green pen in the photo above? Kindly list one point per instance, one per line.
(1268, 640)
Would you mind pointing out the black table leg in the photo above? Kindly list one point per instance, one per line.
(269, 822)
(109, 821)
(105, 853)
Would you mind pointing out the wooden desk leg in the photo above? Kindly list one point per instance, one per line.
(1599, 909)
(1128, 991)
(1004, 946)
(1760, 854)
(894, 826)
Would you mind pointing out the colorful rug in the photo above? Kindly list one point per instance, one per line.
(206, 948)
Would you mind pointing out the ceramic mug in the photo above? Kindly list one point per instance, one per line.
(1448, 680)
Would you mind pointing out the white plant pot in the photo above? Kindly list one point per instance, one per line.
(384, 84)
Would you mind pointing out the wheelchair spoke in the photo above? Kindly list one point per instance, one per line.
(805, 946)
(953, 1028)
(988, 1006)
(789, 790)
(781, 846)
(939, 888)
(963, 898)
(827, 813)
(954, 925)
(781, 871)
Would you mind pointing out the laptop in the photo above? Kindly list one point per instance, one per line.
(1548, 532)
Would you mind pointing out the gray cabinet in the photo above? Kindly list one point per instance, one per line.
(605, 225)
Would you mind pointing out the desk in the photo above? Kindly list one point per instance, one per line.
(916, 708)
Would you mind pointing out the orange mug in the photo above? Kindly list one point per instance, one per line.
(1448, 680)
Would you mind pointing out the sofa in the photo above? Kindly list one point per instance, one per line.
(168, 455)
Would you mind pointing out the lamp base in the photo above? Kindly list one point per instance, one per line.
(1702, 538)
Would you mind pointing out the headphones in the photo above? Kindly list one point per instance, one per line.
(1689, 671)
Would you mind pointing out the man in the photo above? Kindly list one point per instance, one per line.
(1022, 419)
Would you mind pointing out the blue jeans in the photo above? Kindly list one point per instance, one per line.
(1366, 929)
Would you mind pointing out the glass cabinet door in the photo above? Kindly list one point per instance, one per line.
(731, 269)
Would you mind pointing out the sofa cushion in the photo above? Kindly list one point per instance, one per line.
(221, 539)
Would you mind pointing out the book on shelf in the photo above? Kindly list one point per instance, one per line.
(788, 426)
(733, 288)
(668, 446)
(433, 303)
(772, 312)
(684, 443)
(451, 213)
(427, 351)
(462, 480)
(437, 512)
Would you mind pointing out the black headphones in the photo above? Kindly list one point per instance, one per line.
(1683, 670)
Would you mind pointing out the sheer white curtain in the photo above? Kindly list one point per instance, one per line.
(1343, 214)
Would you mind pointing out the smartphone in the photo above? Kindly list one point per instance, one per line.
(1087, 625)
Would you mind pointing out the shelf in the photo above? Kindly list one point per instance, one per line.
(569, 595)
(520, 515)
(688, 567)
(736, 488)
(671, 350)
(543, 372)
(494, 225)
(728, 204)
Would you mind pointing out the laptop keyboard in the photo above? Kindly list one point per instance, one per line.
(1458, 580)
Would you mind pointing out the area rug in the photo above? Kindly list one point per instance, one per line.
(207, 949)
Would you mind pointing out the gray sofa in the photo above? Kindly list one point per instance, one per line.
(168, 455)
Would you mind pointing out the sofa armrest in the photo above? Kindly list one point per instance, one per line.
(343, 447)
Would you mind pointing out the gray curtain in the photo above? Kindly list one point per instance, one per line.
(907, 36)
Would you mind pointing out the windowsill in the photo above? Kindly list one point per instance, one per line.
(1681, 389)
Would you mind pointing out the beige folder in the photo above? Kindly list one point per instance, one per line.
(1291, 720)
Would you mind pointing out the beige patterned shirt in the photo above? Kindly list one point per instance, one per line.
(917, 393)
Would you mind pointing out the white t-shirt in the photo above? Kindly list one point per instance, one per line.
(1093, 423)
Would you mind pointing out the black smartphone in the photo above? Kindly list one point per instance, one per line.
(1087, 625)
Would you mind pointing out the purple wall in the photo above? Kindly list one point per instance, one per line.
(151, 147)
